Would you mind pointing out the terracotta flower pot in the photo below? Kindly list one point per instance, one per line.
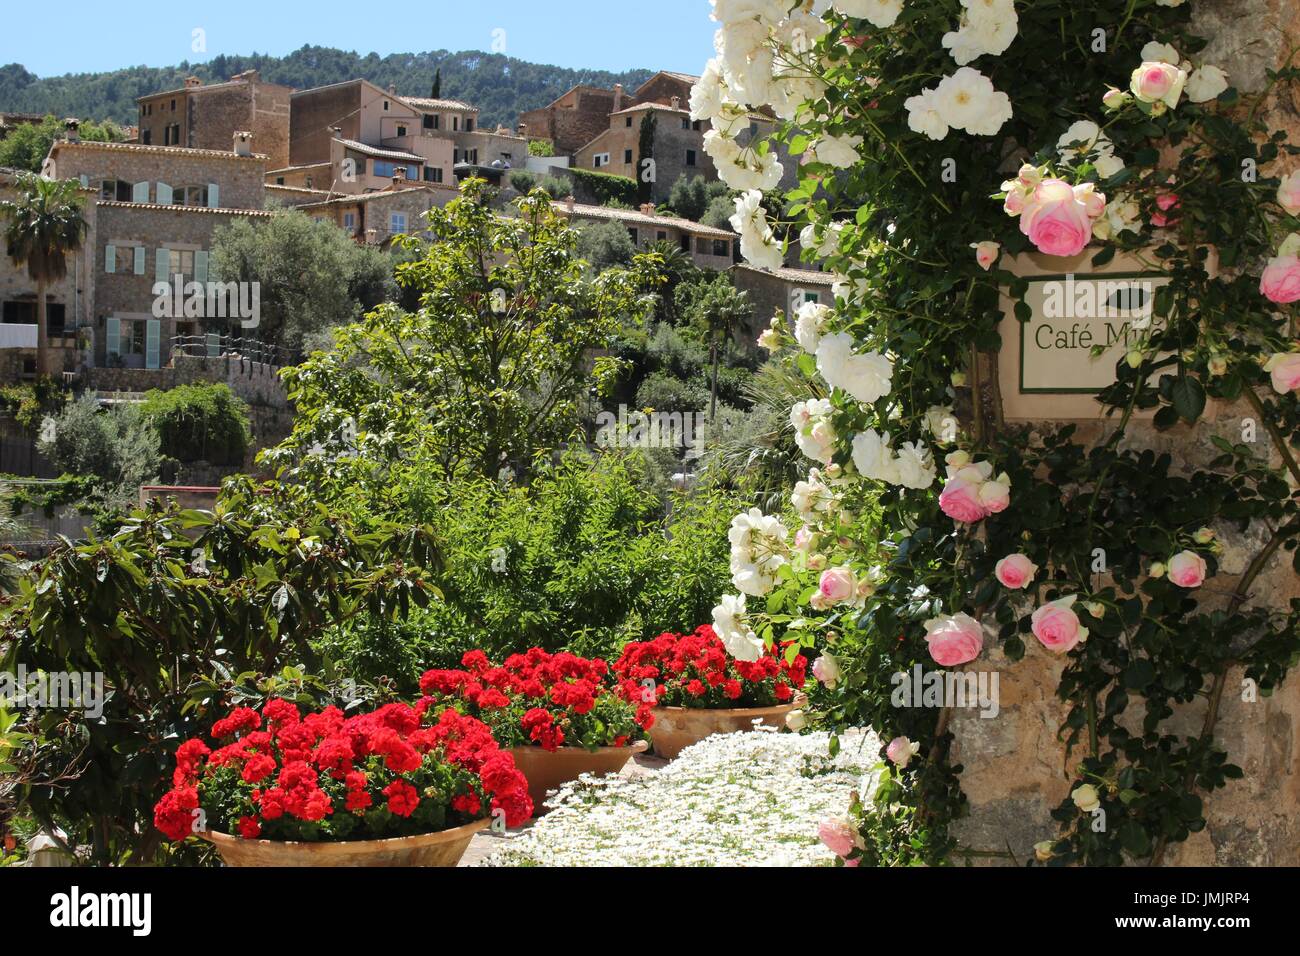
(676, 728)
(548, 769)
(444, 848)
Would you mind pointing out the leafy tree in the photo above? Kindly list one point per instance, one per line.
(716, 307)
(27, 145)
(605, 245)
(312, 276)
(718, 212)
(646, 151)
(199, 422)
(171, 600)
(115, 445)
(491, 366)
(44, 227)
(541, 147)
(691, 196)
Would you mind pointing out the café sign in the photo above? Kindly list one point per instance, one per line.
(1082, 321)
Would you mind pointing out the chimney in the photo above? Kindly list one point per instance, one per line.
(677, 102)
(243, 143)
(647, 209)
(618, 97)
(72, 129)
(372, 235)
(523, 130)
(336, 132)
(399, 175)
(568, 202)
(192, 81)
(392, 90)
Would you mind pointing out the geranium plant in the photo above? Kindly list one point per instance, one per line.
(695, 670)
(936, 140)
(541, 699)
(397, 771)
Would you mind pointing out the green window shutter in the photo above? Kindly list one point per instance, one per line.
(214, 344)
(110, 258)
(214, 196)
(201, 266)
(140, 192)
(112, 336)
(85, 181)
(164, 194)
(138, 264)
(152, 334)
(162, 263)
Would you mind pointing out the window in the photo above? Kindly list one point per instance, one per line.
(181, 263)
(382, 168)
(811, 297)
(599, 160)
(173, 106)
(401, 130)
(627, 156)
(696, 126)
(350, 221)
(686, 243)
(172, 134)
(397, 222)
(507, 157)
(721, 247)
(430, 121)
(455, 122)
(628, 121)
(471, 156)
(190, 195)
(385, 104)
(631, 231)
(686, 123)
(469, 124)
(117, 190)
(146, 137)
(24, 313)
(433, 174)
(279, 180)
(661, 235)
(690, 157)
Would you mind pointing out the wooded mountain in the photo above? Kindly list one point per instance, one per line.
(500, 86)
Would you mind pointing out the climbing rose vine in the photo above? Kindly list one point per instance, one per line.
(936, 142)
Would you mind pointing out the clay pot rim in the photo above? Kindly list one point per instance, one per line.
(636, 747)
(217, 838)
(797, 701)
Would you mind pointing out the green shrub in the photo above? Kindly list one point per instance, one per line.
(116, 446)
(605, 245)
(201, 422)
(664, 392)
(607, 188)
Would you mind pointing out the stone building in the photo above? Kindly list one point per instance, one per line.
(68, 304)
(710, 248)
(206, 116)
(376, 217)
(156, 210)
(784, 289)
(350, 138)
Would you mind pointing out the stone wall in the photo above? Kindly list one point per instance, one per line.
(1015, 771)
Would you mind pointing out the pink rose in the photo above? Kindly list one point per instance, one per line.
(1014, 204)
(1015, 571)
(1187, 569)
(995, 496)
(1165, 202)
(1285, 369)
(900, 751)
(1057, 627)
(1155, 82)
(960, 501)
(986, 253)
(1281, 280)
(1055, 220)
(838, 836)
(837, 585)
(954, 640)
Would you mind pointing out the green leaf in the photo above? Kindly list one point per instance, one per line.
(1188, 397)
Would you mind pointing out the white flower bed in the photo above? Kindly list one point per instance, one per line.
(748, 799)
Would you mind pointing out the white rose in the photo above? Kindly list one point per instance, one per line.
(1206, 84)
(924, 115)
(808, 324)
(881, 13)
(867, 377)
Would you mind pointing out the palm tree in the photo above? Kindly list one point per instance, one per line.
(44, 227)
(717, 307)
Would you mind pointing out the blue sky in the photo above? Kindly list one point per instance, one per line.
(95, 36)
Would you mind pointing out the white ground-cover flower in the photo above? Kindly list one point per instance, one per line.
(986, 27)
(809, 321)
(879, 13)
(813, 431)
(865, 376)
(732, 628)
(758, 551)
(743, 799)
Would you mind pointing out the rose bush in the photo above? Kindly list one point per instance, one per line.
(1107, 131)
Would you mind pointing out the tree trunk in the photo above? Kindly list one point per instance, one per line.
(42, 336)
(713, 398)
